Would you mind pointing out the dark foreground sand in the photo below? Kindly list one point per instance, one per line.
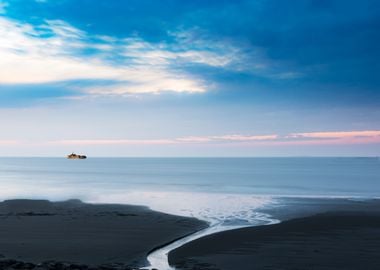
(74, 232)
(346, 240)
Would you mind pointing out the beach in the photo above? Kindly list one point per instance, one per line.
(75, 235)
(345, 235)
(312, 233)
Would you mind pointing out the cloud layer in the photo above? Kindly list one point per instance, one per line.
(53, 52)
(310, 138)
(248, 48)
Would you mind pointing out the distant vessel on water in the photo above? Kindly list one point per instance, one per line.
(75, 156)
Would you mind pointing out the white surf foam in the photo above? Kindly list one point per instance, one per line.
(215, 208)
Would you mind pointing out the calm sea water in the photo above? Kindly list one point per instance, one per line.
(278, 176)
(210, 188)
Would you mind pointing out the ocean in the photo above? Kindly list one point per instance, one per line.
(213, 189)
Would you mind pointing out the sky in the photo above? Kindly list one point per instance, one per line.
(190, 78)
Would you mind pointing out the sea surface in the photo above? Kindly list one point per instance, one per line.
(208, 188)
(228, 193)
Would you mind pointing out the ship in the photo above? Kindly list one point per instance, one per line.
(75, 156)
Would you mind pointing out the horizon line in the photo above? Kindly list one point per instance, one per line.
(290, 156)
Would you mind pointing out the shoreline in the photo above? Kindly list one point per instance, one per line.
(55, 235)
(241, 248)
(160, 232)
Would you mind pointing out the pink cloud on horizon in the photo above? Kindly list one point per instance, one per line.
(237, 137)
(8, 142)
(307, 138)
(337, 134)
(226, 138)
(193, 139)
(181, 140)
(115, 142)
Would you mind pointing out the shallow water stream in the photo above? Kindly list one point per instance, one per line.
(158, 259)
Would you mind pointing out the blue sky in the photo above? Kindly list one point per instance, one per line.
(189, 78)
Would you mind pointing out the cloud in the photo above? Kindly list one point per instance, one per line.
(338, 134)
(312, 138)
(336, 137)
(182, 51)
(9, 142)
(245, 137)
(3, 6)
(181, 140)
(115, 142)
(194, 139)
(53, 52)
(228, 138)
(233, 142)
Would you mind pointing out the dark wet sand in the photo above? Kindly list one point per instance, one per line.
(72, 231)
(348, 239)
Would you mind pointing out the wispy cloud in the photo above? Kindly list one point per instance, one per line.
(336, 137)
(313, 138)
(337, 134)
(54, 52)
(237, 137)
(9, 142)
(181, 140)
(115, 142)
(194, 139)
(3, 6)
(233, 142)
(184, 50)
